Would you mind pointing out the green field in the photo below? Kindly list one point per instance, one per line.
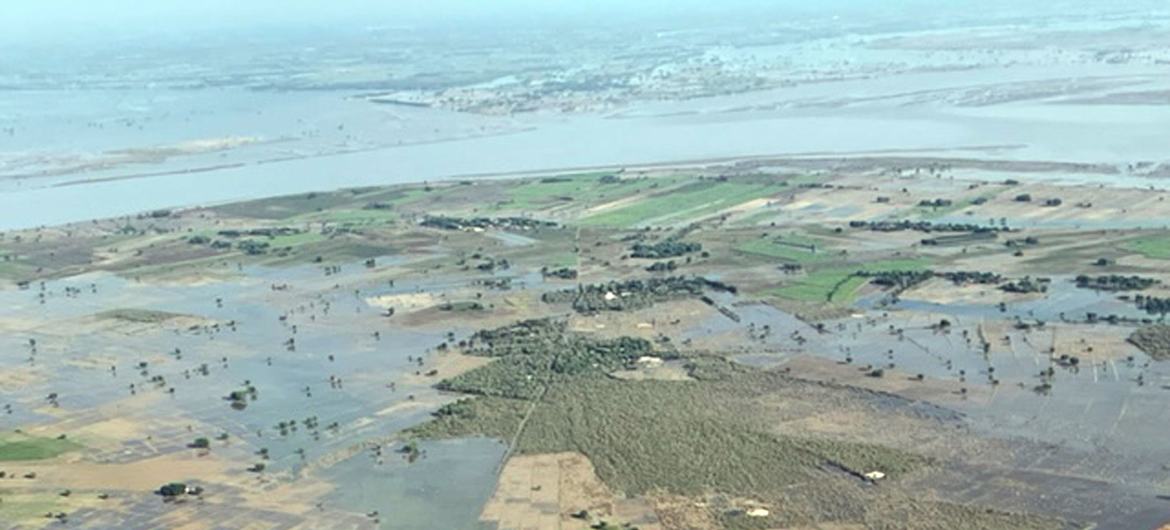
(583, 189)
(21, 506)
(17, 447)
(839, 284)
(295, 240)
(928, 212)
(789, 253)
(1155, 247)
(352, 217)
(683, 204)
(641, 435)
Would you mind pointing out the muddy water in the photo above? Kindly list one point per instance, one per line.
(1118, 404)
(361, 388)
(445, 488)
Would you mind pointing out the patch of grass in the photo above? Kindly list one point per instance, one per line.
(490, 417)
(295, 240)
(583, 189)
(535, 193)
(140, 316)
(930, 212)
(839, 284)
(684, 438)
(790, 253)
(21, 506)
(14, 270)
(1153, 247)
(682, 204)
(288, 206)
(755, 218)
(353, 217)
(20, 447)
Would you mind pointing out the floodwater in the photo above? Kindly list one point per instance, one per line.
(338, 373)
(346, 142)
(445, 488)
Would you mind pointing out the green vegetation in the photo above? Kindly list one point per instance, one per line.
(685, 203)
(934, 212)
(632, 294)
(139, 316)
(794, 251)
(536, 353)
(491, 417)
(838, 284)
(1154, 247)
(1154, 340)
(16, 447)
(643, 435)
(21, 506)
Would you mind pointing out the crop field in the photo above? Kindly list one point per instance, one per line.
(18, 447)
(1156, 247)
(836, 284)
(685, 203)
(551, 190)
(791, 253)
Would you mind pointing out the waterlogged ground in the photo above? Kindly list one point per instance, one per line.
(303, 338)
(130, 390)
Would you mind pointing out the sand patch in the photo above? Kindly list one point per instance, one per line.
(13, 379)
(404, 301)
(542, 491)
(141, 476)
(446, 365)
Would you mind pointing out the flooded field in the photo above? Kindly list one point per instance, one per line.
(862, 271)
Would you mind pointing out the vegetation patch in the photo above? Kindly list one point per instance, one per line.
(840, 284)
(669, 248)
(685, 203)
(785, 250)
(1114, 282)
(536, 353)
(633, 294)
(1154, 340)
(19, 447)
(1154, 247)
(444, 222)
(139, 316)
(642, 436)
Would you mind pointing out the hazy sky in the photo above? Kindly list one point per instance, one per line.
(38, 21)
(44, 19)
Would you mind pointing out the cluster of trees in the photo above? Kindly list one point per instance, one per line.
(1027, 284)
(968, 277)
(521, 337)
(900, 280)
(1115, 282)
(261, 232)
(662, 266)
(936, 203)
(632, 294)
(922, 226)
(445, 222)
(535, 353)
(668, 248)
(563, 273)
(1153, 305)
(253, 247)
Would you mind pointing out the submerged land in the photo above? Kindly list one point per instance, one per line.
(861, 267)
(870, 342)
